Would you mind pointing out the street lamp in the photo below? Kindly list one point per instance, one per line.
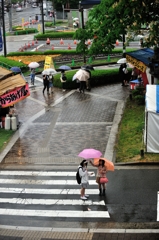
(3, 25)
(42, 15)
(82, 19)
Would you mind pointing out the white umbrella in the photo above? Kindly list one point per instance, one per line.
(33, 65)
(49, 71)
(122, 60)
(75, 19)
(81, 75)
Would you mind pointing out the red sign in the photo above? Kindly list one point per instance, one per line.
(14, 96)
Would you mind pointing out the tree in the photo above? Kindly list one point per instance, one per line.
(109, 20)
(67, 3)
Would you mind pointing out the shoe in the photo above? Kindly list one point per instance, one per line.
(52, 92)
(83, 198)
(86, 195)
(64, 90)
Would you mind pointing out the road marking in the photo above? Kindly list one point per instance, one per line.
(157, 206)
(37, 173)
(28, 201)
(43, 182)
(55, 213)
(47, 191)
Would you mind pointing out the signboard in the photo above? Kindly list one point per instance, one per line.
(1, 41)
(48, 63)
(14, 96)
(139, 65)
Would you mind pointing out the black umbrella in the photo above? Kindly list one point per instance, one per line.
(87, 67)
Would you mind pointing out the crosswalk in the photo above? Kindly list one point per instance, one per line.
(48, 194)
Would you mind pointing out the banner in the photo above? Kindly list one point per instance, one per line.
(48, 63)
(139, 65)
(14, 96)
(1, 41)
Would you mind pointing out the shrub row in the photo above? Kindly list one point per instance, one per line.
(99, 77)
(53, 35)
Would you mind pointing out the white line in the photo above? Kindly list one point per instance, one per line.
(47, 191)
(50, 213)
(37, 173)
(43, 182)
(71, 202)
(157, 206)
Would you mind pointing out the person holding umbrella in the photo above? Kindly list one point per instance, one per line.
(46, 83)
(63, 79)
(32, 76)
(101, 173)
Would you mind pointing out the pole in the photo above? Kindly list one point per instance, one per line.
(42, 16)
(124, 47)
(4, 34)
(82, 19)
(10, 16)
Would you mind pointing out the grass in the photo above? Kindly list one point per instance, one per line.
(130, 135)
(5, 136)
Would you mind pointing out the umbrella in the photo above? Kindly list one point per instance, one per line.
(109, 165)
(82, 75)
(122, 60)
(87, 67)
(15, 69)
(75, 19)
(64, 68)
(33, 65)
(49, 71)
(90, 153)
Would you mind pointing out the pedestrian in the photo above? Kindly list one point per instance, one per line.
(123, 73)
(134, 73)
(84, 178)
(63, 79)
(30, 20)
(46, 83)
(101, 173)
(82, 86)
(88, 81)
(51, 79)
(32, 76)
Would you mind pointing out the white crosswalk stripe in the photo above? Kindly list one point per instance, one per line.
(57, 190)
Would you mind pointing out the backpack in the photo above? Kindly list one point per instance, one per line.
(78, 177)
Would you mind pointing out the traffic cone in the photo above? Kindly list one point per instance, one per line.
(28, 44)
(25, 46)
(75, 42)
(52, 47)
(61, 41)
(36, 49)
(32, 43)
(48, 41)
(69, 46)
(117, 42)
(89, 42)
(36, 41)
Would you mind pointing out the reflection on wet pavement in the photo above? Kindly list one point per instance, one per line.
(70, 123)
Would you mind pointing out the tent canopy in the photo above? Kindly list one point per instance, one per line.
(142, 55)
(152, 119)
(5, 73)
(11, 83)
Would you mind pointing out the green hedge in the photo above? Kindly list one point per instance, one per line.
(47, 52)
(8, 63)
(52, 35)
(99, 77)
(26, 31)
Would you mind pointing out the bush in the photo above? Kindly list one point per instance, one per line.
(26, 31)
(53, 35)
(7, 63)
(99, 77)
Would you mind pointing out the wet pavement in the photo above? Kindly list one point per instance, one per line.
(60, 125)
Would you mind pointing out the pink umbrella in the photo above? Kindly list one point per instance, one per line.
(90, 153)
